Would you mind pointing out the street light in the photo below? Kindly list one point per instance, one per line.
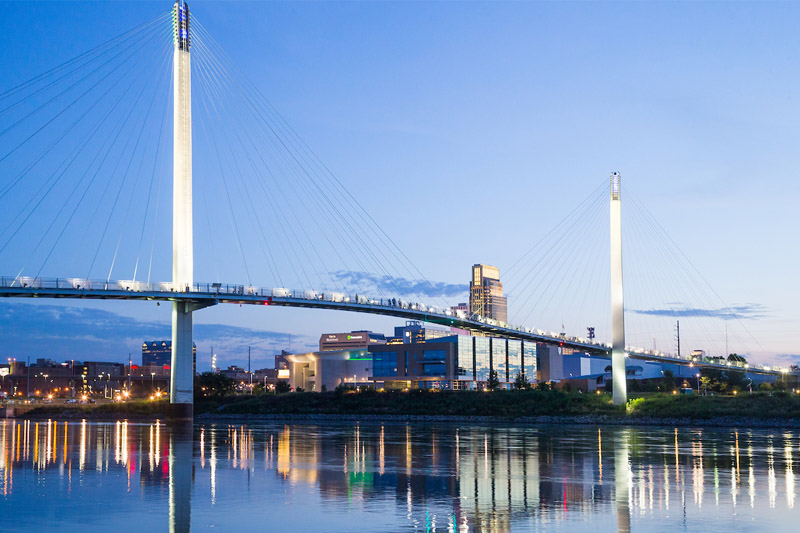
(698, 382)
(44, 384)
(152, 380)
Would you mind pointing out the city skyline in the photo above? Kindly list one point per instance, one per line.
(706, 196)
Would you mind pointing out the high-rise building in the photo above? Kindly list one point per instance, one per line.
(486, 293)
(159, 353)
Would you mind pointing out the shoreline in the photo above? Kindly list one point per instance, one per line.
(720, 422)
(584, 420)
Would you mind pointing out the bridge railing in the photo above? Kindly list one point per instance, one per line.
(355, 300)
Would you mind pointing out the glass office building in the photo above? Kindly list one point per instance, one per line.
(456, 362)
(159, 353)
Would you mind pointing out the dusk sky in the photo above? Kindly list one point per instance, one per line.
(467, 131)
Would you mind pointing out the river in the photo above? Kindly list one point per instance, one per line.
(126, 476)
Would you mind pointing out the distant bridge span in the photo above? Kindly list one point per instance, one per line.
(208, 294)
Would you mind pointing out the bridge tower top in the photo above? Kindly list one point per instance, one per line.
(616, 186)
(180, 25)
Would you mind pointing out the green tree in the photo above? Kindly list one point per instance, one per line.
(736, 358)
(521, 382)
(282, 386)
(736, 379)
(493, 383)
(212, 385)
(669, 381)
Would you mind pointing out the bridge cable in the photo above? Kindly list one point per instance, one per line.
(254, 90)
(22, 223)
(101, 151)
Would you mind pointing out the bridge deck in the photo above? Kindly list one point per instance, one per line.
(206, 294)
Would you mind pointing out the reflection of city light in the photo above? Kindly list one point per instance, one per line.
(524, 469)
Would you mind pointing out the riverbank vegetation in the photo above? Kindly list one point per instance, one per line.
(508, 404)
(503, 404)
(136, 409)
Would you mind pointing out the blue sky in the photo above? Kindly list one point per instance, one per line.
(468, 130)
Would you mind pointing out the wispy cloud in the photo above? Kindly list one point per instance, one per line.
(363, 281)
(61, 333)
(745, 311)
(792, 358)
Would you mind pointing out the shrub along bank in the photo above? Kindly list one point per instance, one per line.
(777, 407)
(502, 404)
(511, 405)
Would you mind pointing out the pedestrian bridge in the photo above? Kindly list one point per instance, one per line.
(208, 294)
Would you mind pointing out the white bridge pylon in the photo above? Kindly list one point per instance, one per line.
(181, 391)
(618, 374)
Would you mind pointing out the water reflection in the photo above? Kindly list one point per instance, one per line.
(340, 477)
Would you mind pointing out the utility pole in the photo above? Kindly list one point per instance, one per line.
(249, 371)
(130, 370)
(678, 337)
(28, 386)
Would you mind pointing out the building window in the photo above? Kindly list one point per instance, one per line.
(436, 369)
(435, 355)
(384, 364)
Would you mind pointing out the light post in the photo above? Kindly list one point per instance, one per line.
(152, 381)
(698, 382)
(44, 385)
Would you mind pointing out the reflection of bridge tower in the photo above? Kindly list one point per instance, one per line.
(618, 375)
(182, 247)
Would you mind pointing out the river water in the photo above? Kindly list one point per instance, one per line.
(124, 476)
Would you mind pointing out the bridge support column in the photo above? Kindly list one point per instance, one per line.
(618, 374)
(181, 389)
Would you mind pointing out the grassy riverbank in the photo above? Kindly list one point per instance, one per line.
(137, 410)
(511, 405)
(501, 405)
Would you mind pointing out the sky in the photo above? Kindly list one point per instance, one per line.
(467, 131)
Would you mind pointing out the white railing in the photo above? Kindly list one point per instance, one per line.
(360, 300)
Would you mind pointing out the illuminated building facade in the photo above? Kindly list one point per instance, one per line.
(486, 293)
(456, 362)
(159, 353)
(315, 371)
(414, 332)
(355, 340)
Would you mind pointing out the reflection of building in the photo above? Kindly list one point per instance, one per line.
(486, 293)
(355, 340)
(159, 353)
(454, 362)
